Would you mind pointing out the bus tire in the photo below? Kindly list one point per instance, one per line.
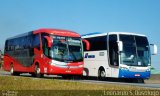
(101, 74)
(140, 80)
(37, 73)
(65, 76)
(68, 76)
(12, 71)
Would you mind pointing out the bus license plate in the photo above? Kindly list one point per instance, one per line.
(137, 75)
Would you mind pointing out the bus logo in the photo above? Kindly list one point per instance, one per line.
(89, 56)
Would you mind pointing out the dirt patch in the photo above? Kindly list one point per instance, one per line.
(154, 79)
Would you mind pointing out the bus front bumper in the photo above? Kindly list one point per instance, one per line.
(134, 75)
(64, 70)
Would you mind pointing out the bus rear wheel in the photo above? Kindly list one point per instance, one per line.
(37, 72)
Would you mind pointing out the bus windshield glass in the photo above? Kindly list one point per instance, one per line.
(66, 49)
(135, 51)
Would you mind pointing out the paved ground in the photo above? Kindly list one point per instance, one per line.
(153, 82)
(155, 79)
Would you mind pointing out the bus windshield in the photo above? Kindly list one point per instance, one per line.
(135, 51)
(66, 49)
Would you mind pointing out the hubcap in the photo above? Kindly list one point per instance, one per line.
(103, 74)
(12, 70)
(38, 70)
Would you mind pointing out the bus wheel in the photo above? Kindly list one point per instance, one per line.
(65, 76)
(140, 80)
(37, 72)
(13, 72)
(101, 74)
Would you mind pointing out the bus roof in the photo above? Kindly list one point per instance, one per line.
(20, 35)
(59, 32)
(109, 33)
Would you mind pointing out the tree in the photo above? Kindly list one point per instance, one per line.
(152, 68)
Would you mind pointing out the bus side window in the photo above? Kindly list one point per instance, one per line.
(45, 45)
(6, 46)
(45, 48)
(84, 46)
(113, 50)
(36, 41)
(97, 43)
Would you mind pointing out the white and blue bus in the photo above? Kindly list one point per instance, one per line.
(117, 55)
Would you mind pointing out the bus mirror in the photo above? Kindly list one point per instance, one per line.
(120, 46)
(49, 41)
(87, 44)
(155, 49)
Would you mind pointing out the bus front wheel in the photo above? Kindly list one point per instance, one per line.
(101, 74)
(139, 80)
(38, 72)
(12, 71)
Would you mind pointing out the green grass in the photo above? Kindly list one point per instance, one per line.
(26, 83)
(26, 86)
(155, 71)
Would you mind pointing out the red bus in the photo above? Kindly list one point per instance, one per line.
(44, 51)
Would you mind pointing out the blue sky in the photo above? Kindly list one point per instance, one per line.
(82, 16)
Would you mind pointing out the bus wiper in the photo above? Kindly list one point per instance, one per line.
(69, 61)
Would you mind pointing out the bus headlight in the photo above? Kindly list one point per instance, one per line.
(51, 63)
(148, 69)
(80, 66)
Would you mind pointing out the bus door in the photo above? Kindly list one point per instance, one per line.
(113, 55)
